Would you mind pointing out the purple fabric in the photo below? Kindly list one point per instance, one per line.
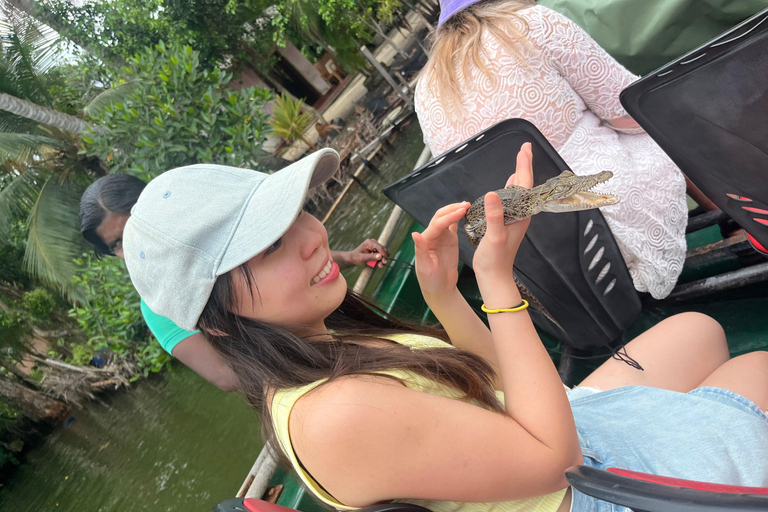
(450, 7)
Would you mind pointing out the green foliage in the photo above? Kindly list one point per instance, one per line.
(39, 304)
(44, 176)
(12, 255)
(289, 122)
(178, 113)
(340, 26)
(14, 330)
(119, 29)
(81, 354)
(111, 317)
(36, 374)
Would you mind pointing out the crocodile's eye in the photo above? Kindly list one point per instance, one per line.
(559, 188)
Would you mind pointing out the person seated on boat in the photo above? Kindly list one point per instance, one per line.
(499, 59)
(104, 209)
(368, 409)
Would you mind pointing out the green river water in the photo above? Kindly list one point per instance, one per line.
(175, 442)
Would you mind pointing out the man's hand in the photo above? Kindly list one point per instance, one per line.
(369, 250)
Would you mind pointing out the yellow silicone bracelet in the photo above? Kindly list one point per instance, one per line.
(523, 305)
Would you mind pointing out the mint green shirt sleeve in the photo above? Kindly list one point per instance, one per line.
(165, 330)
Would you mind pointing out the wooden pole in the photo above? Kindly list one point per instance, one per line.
(257, 481)
(727, 281)
(391, 81)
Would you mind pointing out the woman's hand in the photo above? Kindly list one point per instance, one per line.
(437, 251)
(496, 253)
(365, 253)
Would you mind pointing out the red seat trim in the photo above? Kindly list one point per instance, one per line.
(689, 484)
(757, 245)
(254, 505)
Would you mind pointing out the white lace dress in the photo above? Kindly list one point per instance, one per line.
(567, 87)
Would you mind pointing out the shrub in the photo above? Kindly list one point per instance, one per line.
(14, 332)
(12, 248)
(171, 113)
(111, 316)
(39, 303)
(81, 354)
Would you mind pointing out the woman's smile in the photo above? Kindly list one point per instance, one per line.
(329, 273)
(295, 281)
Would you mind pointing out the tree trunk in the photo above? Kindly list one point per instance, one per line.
(32, 404)
(29, 110)
(12, 368)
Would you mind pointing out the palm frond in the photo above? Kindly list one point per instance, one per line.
(116, 94)
(54, 236)
(11, 123)
(29, 51)
(21, 146)
(17, 199)
(288, 120)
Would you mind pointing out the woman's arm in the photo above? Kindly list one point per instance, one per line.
(196, 353)
(368, 438)
(369, 250)
(437, 260)
(533, 392)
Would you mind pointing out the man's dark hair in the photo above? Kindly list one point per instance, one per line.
(116, 193)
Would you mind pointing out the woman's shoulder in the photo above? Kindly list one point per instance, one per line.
(336, 410)
(544, 21)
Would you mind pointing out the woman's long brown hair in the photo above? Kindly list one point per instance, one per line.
(267, 358)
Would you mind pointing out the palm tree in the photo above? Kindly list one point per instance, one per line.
(39, 150)
(289, 122)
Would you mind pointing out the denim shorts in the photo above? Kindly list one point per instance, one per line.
(709, 434)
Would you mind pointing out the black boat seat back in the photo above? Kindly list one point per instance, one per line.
(709, 111)
(569, 261)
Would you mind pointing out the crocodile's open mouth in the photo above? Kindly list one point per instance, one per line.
(579, 201)
(587, 199)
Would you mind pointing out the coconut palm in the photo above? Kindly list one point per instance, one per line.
(39, 150)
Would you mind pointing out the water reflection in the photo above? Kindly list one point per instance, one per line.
(174, 442)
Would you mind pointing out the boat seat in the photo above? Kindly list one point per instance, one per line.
(640, 492)
(643, 492)
(254, 505)
(708, 110)
(569, 261)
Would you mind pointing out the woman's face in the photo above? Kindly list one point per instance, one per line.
(111, 232)
(295, 282)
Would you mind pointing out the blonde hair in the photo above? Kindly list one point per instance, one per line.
(458, 43)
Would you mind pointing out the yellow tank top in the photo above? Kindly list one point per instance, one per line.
(284, 400)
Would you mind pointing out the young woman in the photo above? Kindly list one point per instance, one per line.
(499, 59)
(105, 208)
(367, 409)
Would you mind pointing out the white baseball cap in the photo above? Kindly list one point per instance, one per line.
(195, 223)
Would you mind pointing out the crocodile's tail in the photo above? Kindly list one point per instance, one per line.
(526, 294)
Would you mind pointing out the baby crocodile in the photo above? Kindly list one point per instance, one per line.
(564, 193)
